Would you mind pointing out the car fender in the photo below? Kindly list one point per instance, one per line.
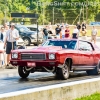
(61, 66)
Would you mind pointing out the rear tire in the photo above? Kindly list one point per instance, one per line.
(22, 72)
(94, 71)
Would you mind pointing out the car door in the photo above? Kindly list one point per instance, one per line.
(85, 53)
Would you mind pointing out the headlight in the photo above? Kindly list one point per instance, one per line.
(14, 55)
(51, 56)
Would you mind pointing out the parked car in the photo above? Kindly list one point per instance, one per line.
(59, 56)
(40, 29)
(20, 43)
(34, 27)
(29, 37)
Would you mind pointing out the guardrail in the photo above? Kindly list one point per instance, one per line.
(65, 91)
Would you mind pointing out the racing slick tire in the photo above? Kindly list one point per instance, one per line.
(63, 72)
(22, 72)
(94, 71)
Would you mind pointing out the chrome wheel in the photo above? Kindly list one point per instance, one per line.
(63, 72)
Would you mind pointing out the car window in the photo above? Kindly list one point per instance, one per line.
(85, 46)
(66, 44)
(22, 28)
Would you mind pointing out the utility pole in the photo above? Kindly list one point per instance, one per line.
(53, 16)
(43, 15)
(83, 12)
(86, 11)
(5, 16)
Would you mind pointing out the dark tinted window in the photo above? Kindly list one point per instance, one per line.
(21, 27)
(67, 44)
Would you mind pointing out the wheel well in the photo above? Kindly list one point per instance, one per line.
(26, 38)
(69, 61)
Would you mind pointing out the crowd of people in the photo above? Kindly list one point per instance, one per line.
(64, 31)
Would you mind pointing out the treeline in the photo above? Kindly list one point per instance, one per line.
(67, 11)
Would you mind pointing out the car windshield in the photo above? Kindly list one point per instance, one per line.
(22, 28)
(67, 44)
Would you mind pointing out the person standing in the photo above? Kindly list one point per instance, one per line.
(62, 32)
(83, 34)
(45, 33)
(67, 32)
(58, 31)
(75, 33)
(94, 33)
(6, 27)
(2, 34)
(84, 25)
(10, 42)
(78, 26)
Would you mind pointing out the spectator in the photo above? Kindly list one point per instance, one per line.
(2, 34)
(67, 32)
(84, 25)
(2, 54)
(58, 31)
(50, 28)
(62, 32)
(10, 41)
(83, 33)
(94, 34)
(75, 33)
(6, 27)
(62, 25)
(78, 26)
(45, 33)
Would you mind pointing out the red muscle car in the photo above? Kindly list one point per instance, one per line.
(59, 56)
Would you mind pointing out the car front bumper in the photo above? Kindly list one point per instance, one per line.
(35, 40)
(37, 63)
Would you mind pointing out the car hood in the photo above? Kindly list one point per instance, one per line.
(45, 49)
(40, 49)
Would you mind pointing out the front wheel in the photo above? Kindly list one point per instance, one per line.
(22, 72)
(27, 41)
(63, 73)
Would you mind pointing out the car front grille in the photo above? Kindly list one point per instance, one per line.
(33, 56)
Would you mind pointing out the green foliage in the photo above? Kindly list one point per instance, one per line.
(59, 10)
(95, 96)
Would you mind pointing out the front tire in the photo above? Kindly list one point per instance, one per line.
(22, 72)
(63, 73)
(27, 41)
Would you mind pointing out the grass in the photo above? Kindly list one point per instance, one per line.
(95, 96)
